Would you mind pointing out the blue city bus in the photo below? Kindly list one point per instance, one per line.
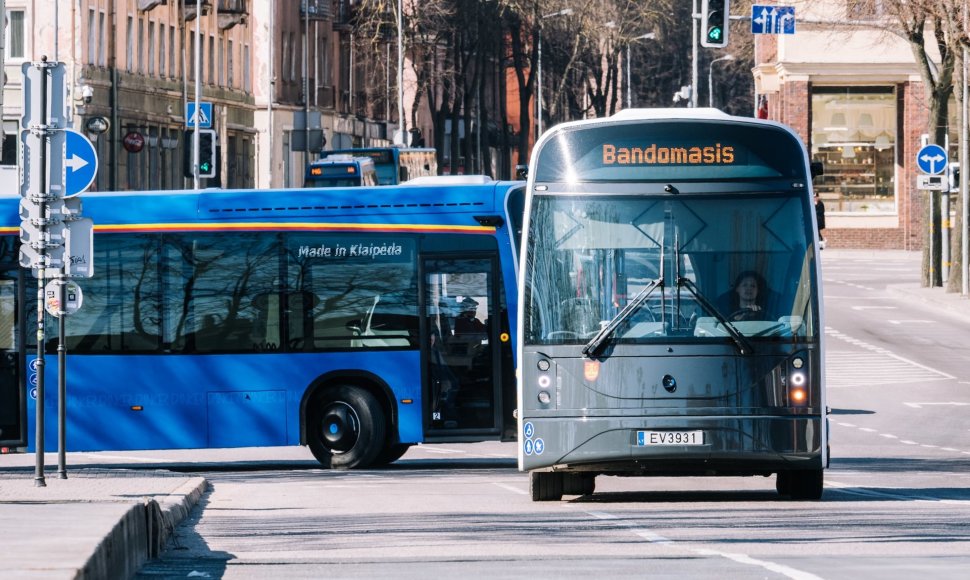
(395, 164)
(670, 304)
(280, 317)
(341, 171)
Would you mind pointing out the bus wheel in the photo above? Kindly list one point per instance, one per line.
(391, 453)
(578, 483)
(806, 485)
(346, 428)
(545, 486)
(783, 482)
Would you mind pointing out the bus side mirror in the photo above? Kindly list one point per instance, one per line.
(521, 171)
(816, 169)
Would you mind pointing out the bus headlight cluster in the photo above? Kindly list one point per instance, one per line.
(544, 382)
(798, 383)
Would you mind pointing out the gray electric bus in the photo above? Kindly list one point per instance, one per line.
(670, 304)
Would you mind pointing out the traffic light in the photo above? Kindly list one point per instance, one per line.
(208, 154)
(715, 23)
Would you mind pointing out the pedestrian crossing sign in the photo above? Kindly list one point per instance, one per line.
(200, 118)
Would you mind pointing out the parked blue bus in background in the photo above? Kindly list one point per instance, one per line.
(395, 164)
(341, 171)
(279, 317)
(671, 304)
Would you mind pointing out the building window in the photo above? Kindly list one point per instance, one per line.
(212, 59)
(171, 51)
(92, 38)
(229, 61)
(161, 51)
(247, 69)
(130, 44)
(151, 48)
(103, 41)
(854, 136)
(141, 46)
(15, 34)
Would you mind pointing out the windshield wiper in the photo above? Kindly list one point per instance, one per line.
(744, 347)
(593, 347)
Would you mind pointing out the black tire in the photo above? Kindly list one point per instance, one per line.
(346, 428)
(806, 485)
(391, 453)
(545, 486)
(783, 483)
(578, 483)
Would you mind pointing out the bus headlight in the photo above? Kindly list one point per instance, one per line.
(544, 381)
(544, 397)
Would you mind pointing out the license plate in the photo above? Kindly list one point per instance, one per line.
(651, 438)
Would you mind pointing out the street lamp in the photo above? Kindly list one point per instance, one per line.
(563, 12)
(629, 66)
(710, 78)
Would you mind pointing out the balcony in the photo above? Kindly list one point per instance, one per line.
(231, 13)
(189, 9)
(146, 5)
(315, 9)
(342, 13)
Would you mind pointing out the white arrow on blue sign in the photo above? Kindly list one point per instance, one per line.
(772, 19)
(80, 163)
(931, 159)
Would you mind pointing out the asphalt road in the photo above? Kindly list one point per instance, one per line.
(896, 503)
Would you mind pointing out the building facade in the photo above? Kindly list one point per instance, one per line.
(855, 96)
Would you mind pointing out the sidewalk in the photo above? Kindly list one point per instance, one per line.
(97, 523)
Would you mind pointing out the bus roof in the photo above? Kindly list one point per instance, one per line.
(283, 205)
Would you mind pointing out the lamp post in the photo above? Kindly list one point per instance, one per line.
(563, 12)
(710, 78)
(629, 66)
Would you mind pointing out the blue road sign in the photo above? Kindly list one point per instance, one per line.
(772, 19)
(931, 159)
(200, 120)
(80, 163)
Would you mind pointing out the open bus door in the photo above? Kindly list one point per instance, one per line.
(13, 410)
(463, 362)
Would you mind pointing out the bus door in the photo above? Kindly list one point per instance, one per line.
(13, 430)
(462, 360)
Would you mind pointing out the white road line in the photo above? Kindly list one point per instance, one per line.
(655, 538)
(443, 450)
(511, 488)
(124, 458)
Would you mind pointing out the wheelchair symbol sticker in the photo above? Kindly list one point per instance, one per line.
(529, 430)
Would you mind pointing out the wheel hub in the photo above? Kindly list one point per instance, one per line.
(339, 427)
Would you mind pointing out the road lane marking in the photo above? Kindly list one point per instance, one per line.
(921, 405)
(511, 488)
(911, 321)
(655, 538)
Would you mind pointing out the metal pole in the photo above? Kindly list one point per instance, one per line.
(401, 125)
(306, 84)
(964, 168)
(62, 373)
(629, 84)
(710, 84)
(693, 40)
(198, 74)
(539, 88)
(44, 193)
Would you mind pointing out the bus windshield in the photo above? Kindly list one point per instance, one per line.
(720, 266)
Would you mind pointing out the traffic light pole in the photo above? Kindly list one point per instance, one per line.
(42, 197)
(198, 96)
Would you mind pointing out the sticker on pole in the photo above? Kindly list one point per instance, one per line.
(72, 297)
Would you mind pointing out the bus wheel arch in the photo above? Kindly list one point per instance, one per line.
(346, 420)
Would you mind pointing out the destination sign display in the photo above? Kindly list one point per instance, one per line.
(666, 150)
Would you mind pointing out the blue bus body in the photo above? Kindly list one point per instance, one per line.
(281, 317)
(396, 164)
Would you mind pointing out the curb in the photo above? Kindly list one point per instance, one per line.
(141, 533)
(936, 297)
